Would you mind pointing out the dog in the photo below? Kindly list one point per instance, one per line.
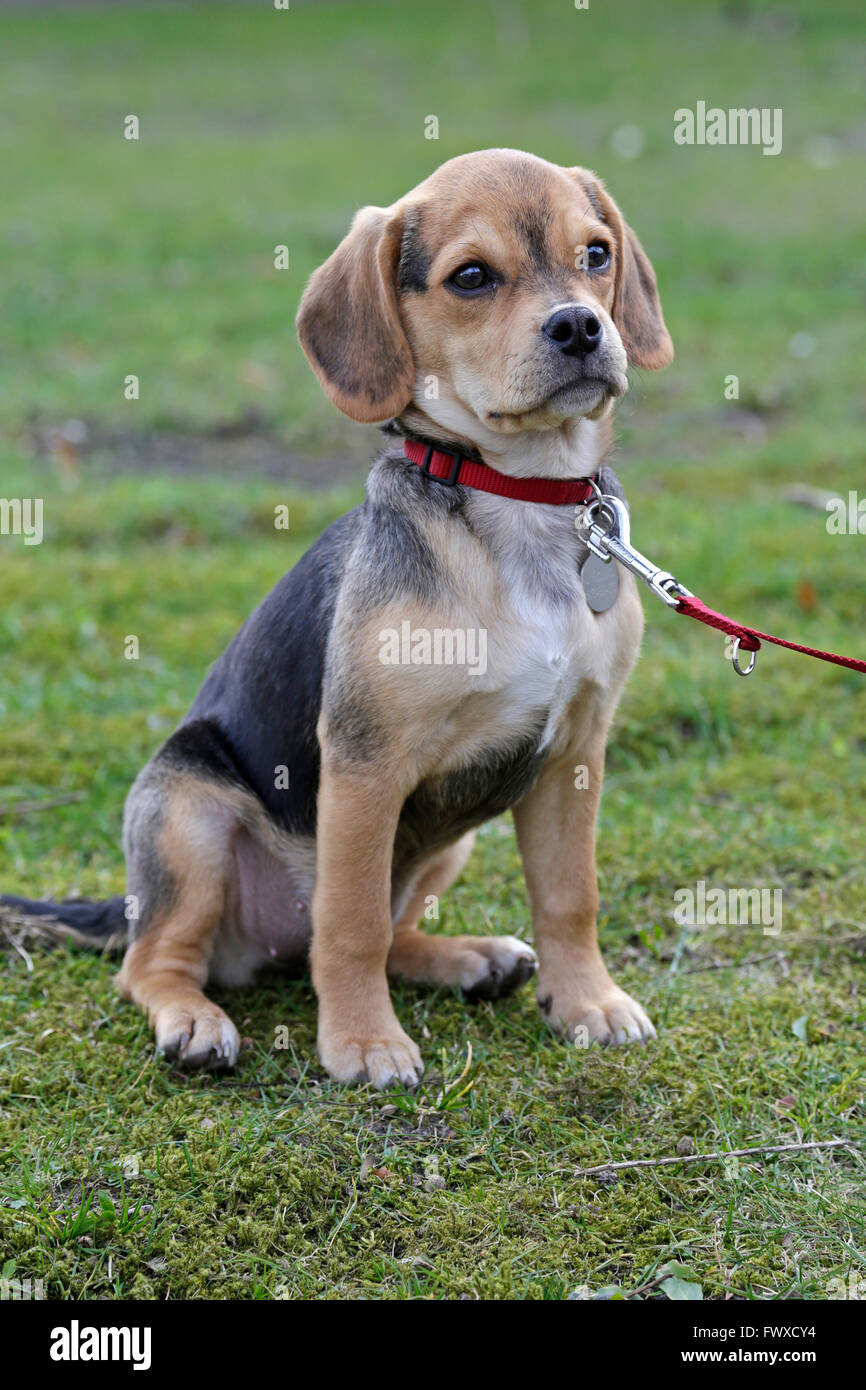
(327, 782)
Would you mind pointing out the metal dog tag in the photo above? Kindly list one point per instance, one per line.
(600, 583)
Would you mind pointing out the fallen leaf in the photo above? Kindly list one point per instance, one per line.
(681, 1289)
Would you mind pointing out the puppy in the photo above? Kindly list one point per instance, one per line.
(329, 777)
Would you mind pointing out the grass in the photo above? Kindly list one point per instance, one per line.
(120, 1176)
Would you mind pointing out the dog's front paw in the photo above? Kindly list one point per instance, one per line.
(494, 966)
(197, 1037)
(383, 1057)
(608, 1017)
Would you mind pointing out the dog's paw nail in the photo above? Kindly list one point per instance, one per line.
(381, 1063)
(497, 965)
(208, 1040)
(614, 1020)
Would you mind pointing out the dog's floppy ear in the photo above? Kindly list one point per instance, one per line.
(349, 325)
(636, 310)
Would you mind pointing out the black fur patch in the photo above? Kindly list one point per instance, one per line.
(265, 692)
(532, 225)
(400, 560)
(593, 199)
(198, 746)
(147, 874)
(415, 259)
(263, 698)
(442, 809)
(98, 920)
(353, 730)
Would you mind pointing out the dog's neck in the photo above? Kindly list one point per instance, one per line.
(536, 549)
(576, 449)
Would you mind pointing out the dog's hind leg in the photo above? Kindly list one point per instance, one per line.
(178, 839)
(484, 967)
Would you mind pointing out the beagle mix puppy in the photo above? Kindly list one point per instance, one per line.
(330, 774)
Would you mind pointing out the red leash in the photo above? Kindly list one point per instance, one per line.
(750, 639)
(611, 542)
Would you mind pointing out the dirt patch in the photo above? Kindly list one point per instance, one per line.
(243, 447)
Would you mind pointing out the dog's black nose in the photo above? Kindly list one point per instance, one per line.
(575, 330)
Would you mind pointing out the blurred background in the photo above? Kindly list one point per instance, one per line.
(262, 128)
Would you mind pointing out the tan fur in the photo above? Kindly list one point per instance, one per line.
(464, 210)
(375, 341)
(491, 389)
(359, 1035)
(464, 961)
(635, 309)
(165, 969)
(359, 278)
(575, 991)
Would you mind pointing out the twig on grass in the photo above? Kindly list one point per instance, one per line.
(712, 1157)
(735, 965)
(779, 955)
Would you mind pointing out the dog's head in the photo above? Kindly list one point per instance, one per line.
(501, 295)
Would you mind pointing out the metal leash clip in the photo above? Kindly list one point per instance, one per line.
(612, 542)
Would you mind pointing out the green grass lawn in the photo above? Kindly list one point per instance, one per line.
(120, 1177)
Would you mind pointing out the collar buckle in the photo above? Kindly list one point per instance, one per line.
(456, 460)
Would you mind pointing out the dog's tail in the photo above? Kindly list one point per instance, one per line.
(100, 926)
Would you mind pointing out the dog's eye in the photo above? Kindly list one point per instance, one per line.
(470, 277)
(597, 256)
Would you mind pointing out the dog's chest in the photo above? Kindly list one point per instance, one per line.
(551, 668)
(536, 667)
(520, 712)
(543, 641)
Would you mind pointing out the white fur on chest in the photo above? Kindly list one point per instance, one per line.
(546, 654)
(543, 641)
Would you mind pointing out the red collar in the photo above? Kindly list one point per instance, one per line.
(452, 469)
